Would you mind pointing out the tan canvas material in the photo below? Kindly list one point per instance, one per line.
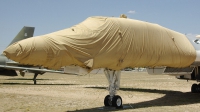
(106, 42)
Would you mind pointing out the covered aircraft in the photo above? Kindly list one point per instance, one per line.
(111, 43)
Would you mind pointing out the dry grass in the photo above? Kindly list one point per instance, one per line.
(60, 93)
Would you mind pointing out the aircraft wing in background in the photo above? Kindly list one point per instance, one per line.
(31, 69)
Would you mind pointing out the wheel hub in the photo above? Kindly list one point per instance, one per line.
(119, 102)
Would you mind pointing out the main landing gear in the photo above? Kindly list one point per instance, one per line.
(34, 78)
(22, 73)
(195, 76)
(112, 99)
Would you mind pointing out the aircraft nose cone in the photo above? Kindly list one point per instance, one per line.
(25, 51)
(13, 51)
(39, 51)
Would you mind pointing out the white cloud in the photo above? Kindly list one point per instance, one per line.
(131, 12)
(191, 34)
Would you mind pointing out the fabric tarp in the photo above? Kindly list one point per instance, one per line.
(106, 42)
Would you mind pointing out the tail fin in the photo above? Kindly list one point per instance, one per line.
(25, 32)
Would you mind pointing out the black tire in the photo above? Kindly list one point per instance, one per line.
(117, 101)
(107, 101)
(194, 88)
(198, 88)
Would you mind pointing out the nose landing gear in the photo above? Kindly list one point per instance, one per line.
(112, 99)
(116, 101)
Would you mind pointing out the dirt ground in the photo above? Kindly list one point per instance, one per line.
(61, 93)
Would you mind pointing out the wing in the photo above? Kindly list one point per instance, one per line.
(32, 69)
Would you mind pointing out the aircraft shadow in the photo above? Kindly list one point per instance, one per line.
(15, 83)
(25, 79)
(171, 98)
(139, 90)
(10, 83)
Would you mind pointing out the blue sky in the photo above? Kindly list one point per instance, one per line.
(52, 15)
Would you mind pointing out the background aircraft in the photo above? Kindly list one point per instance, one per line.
(24, 33)
(9, 67)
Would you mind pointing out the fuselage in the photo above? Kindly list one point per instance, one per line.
(106, 42)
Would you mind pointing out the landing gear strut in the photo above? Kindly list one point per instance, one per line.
(114, 82)
(34, 78)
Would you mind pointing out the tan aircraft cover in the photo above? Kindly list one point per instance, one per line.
(106, 42)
